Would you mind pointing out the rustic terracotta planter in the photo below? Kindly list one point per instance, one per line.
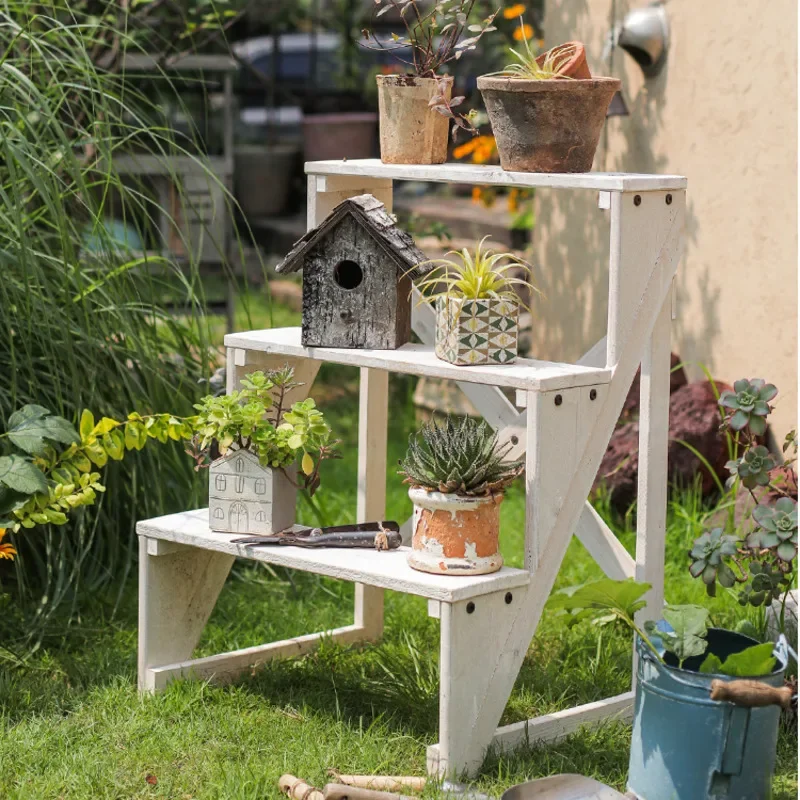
(471, 332)
(348, 134)
(576, 67)
(411, 132)
(244, 497)
(547, 126)
(455, 534)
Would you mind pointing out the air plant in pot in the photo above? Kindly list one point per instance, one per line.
(477, 307)
(414, 107)
(546, 110)
(458, 473)
(256, 442)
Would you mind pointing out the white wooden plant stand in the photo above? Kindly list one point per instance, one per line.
(567, 417)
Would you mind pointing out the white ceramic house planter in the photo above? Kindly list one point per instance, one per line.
(455, 534)
(472, 332)
(244, 497)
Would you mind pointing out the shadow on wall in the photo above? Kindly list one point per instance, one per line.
(571, 235)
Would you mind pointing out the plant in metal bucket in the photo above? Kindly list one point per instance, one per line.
(758, 558)
(458, 471)
(477, 305)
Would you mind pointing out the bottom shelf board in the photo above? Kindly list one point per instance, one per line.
(387, 569)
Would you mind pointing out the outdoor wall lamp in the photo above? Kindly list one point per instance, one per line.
(644, 35)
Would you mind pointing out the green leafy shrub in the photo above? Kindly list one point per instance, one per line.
(462, 457)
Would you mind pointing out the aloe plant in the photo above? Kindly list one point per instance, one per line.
(458, 456)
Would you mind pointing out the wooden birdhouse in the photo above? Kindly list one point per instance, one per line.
(358, 267)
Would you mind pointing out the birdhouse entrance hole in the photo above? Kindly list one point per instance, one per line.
(348, 274)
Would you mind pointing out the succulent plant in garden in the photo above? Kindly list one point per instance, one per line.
(760, 559)
(750, 403)
(458, 456)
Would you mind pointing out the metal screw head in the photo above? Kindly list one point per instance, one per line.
(669, 199)
(515, 440)
(637, 199)
(509, 598)
(558, 400)
(592, 394)
(470, 607)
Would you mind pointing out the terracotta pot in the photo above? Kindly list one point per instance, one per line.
(470, 332)
(455, 534)
(411, 132)
(337, 136)
(244, 497)
(576, 67)
(547, 126)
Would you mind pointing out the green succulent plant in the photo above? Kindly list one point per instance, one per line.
(753, 467)
(778, 527)
(460, 457)
(767, 585)
(707, 553)
(749, 401)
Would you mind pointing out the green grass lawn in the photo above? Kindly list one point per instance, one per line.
(73, 725)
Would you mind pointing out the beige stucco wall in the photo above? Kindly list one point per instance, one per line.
(724, 113)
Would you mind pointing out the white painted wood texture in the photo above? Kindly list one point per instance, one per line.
(486, 174)
(387, 569)
(373, 413)
(419, 359)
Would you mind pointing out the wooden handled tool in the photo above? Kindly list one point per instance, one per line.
(383, 535)
(752, 694)
(339, 791)
(297, 789)
(383, 783)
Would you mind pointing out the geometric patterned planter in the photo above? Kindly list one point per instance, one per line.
(244, 497)
(476, 331)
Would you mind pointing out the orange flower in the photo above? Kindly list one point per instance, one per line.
(476, 194)
(7, 550)
(465, 149)
(517, 10)
(525, 31)
(513, 200)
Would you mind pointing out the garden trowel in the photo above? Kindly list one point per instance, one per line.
(384, 535)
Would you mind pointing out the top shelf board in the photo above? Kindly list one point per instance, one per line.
(489, 175)
(419, 359)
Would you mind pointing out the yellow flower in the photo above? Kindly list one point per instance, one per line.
(513, 200)
(7, 550)
(525, 31)
(517, 10)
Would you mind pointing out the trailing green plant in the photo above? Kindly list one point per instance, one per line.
(685, 635)
(527, 68)
(477, 275)
(458, 456)
(759, 558)
(255, 418)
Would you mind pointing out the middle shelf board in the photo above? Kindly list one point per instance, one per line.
(419, 359)
(387, 570)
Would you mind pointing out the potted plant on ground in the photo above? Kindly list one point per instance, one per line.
(458, 474)
(707, 700)
(547, 112)
(250, 488)
(414, 107)
(477, 307)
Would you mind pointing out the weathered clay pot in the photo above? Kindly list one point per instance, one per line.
(547, 126)
(472, 332)
(576, 67)
(411, 132)
(244, 497)
(455, 534)
(348, 134)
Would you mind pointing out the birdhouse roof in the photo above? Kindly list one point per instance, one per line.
(369, 212)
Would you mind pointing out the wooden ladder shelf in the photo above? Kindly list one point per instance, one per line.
(562, 422)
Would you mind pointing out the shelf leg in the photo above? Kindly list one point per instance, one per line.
(473, 685)
(178, 589)
(373, 413)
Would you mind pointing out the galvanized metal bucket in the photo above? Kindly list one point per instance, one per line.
(686, 746)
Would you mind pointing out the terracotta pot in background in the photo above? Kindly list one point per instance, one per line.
(337, 136)
(576, 67)
(411, 132)
(262, 177)
(549, 125)
(455, 534)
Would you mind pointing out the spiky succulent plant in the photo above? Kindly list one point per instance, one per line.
(459, 456)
